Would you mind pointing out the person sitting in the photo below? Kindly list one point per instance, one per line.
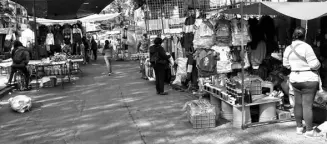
(20, 57)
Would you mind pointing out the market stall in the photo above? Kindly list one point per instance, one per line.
(226, 97)
(58, 66)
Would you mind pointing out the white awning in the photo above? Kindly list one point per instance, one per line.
(91, 18)
(298, 10)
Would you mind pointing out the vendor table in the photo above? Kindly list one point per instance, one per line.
(233, 112)
(61, 69)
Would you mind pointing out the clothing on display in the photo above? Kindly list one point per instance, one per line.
(282, 27)
(67, 33)
(58, 36)
(188, 30)
(206, 61)
(204, 34)
(258, 55)
(223, 32)
(224, 64)
(50, 39)
(77, 35)
(27, 37)
(239, 34)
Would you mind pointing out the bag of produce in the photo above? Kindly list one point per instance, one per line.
(20, 103)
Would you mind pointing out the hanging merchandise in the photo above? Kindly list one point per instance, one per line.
(223, 32)
(181, 71)
(206, 62)
(238, 33)
(188, 30)
(77, 34)
(204, 34)
(58, 36)
(27, 37)
(224, 64)
(67, 32)
(50, 39)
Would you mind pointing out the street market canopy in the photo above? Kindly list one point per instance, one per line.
(63, 9)
(298, 10)
(91, 18)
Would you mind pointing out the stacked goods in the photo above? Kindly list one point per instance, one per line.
(201, 114)
(75, 57)
(59, 57)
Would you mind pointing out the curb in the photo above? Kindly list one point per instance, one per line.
(5, 91)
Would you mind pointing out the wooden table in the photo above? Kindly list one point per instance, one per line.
(233, 112)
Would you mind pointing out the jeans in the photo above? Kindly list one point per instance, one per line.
(304, 93)
(108, 63)
(160, 72)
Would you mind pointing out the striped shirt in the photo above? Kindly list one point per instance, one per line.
(301, 70)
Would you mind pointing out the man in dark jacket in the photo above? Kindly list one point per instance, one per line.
(94, 47)
(159, 60)
(21, 65)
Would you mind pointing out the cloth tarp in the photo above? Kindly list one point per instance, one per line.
(91, 18)
(63, 9)
(298, 10)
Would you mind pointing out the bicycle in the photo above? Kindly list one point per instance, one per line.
(20, 80)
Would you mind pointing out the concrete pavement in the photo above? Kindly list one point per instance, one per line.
(123, 109)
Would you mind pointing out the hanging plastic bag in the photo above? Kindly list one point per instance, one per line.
(20, 103)
(181, 71)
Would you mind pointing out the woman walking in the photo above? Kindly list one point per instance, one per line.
(304, 78)
(108, 54)
(160, 62)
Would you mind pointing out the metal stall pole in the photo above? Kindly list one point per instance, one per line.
(242, 63)
(35, 32)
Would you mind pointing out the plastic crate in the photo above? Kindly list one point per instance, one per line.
(207, 120)
(51, 83)
(283, 115)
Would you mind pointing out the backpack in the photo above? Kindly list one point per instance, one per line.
(20, 55)
(154, 58)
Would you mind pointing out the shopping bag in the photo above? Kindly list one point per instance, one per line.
(20, 103)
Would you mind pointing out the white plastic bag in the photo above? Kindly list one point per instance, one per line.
(181, 70)
(20, 103)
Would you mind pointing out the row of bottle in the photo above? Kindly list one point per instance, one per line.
(234, 98)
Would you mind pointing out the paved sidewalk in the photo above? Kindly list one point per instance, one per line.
(123, 109)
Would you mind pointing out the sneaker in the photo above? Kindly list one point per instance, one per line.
(109, 74)
(299, 130)
(313, 133)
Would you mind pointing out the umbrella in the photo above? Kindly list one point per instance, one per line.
(63, 9)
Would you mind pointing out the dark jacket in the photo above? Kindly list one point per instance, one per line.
(161, 53)
(94, 45)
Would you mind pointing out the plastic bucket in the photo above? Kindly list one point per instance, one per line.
(226, 111)
(267, 112)
(237, 114)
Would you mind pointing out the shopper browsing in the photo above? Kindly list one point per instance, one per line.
(159, 60)
(304, 78)
(108, 54)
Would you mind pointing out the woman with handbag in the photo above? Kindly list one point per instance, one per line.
(108, 54)
(304, 78)
(159, 60)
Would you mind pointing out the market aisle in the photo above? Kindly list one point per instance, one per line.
(122, 109)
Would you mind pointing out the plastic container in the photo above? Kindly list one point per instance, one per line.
(226, 111)
(267, 112)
